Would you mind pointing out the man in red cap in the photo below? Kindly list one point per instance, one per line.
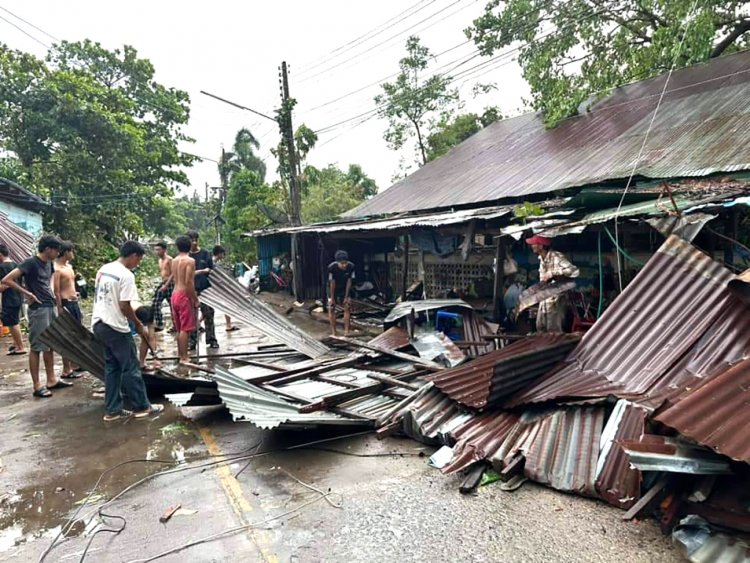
(552, 264)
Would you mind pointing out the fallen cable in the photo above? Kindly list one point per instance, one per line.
(228, 458)
(229, 532)
(324, 495)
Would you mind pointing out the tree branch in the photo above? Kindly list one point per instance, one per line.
(741, 28)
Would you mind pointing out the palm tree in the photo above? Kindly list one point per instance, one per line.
(242, 157)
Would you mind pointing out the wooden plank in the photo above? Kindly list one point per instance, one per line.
(341, 397)
(647, 499)
(400, 355)
(393, 381)
(301, 372)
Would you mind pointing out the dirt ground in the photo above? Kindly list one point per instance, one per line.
(265, 502)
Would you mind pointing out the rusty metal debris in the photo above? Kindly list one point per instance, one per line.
(20, 243)
(489, 379)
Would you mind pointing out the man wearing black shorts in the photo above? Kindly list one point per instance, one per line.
(340, 278)
(37, 275)
(12, 303)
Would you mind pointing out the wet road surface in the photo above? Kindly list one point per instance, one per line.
(379, 506)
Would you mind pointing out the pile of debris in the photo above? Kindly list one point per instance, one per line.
(647, 412)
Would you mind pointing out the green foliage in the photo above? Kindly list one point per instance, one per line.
(96, 134)
(246, 191)
(411, 103)
(571, 50)
(448, 132)
(331, 191)
(527, 209)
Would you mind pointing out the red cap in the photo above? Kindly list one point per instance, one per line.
(537, 239)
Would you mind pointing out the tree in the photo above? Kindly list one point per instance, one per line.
(242, 157)
(242, 214)
(573, 49)
(410, 102)
(96, 134)
(331, 191)
(448, 132)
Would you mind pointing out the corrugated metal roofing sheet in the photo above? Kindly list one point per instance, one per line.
(617, 482)
(565, 450)
(484, 382)
(697, 131)
(394, 223)
(676, 322)
(479, 438)
(20, 243)
(265, 409)
(717, 413)
(227, 295)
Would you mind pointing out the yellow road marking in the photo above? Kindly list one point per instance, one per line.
(237, 499)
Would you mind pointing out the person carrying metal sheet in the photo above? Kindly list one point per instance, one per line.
(340, 278)
(552, 264)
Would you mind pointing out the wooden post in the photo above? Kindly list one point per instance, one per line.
(497, 299)
(405, 278)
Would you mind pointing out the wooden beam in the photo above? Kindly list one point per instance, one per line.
(647, 500)
(498, 293)
(405, 278)
(341, 397)
(304, 371)
(393, 381)
(401, 356)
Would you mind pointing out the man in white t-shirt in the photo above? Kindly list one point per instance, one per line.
(115, 289)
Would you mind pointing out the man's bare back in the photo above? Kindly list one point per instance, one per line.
(67, 281)
(183, 270)
(165, 267)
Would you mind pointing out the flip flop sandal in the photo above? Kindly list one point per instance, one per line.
(233, 329)
(17, 353)
(72, 375)
(60, 385)
(119, 416)
(42, 393)
(148, 370)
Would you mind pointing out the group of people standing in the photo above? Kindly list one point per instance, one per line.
(48, 283)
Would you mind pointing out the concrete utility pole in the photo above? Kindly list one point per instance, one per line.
(287, 134)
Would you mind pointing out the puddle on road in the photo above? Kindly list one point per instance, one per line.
(85, 448)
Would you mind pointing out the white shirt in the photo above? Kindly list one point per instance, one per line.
(114, 283)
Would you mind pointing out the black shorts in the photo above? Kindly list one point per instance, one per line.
(11, 316)
(73, 308)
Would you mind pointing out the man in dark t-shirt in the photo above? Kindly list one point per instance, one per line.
(203, 266)
(12, 303)
(37, 276)
(340, 278)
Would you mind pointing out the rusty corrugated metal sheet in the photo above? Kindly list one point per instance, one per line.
(565, 450)
(227, 295)
(695, 133)
(394, 338)
(675, 322)
(717, 413)
(479, 438)
(72, 340)
(617, 482)
(484, 382)
(20, 243)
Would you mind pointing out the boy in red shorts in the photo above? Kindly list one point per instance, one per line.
(184, 298)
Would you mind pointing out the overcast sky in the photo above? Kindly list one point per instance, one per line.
(233, 49)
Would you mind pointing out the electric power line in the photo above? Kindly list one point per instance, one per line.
(370, 50)
(366, 37)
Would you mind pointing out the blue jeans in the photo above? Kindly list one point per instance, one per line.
(121, 370)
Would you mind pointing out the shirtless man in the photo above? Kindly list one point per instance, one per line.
(66, 296)
(164, 291)
(184, 298)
